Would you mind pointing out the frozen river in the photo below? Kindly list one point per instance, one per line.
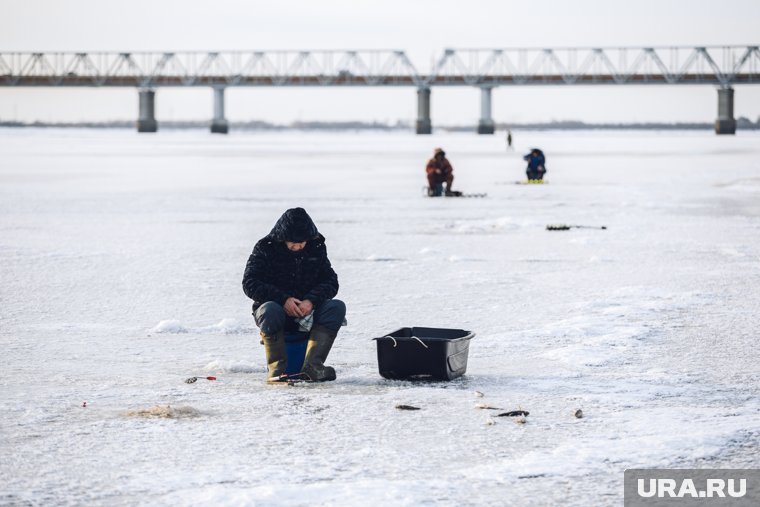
(122, 256)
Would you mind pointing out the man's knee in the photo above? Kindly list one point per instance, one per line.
(336, 306)
(331, 314)
(270, 317)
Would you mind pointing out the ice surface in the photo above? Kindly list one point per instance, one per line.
(168, 326)
(122, 256)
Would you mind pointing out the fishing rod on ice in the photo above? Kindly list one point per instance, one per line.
(565, 227)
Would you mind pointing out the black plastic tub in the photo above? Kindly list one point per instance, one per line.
(417, 352)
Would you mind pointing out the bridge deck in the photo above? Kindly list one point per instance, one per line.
(723, 66)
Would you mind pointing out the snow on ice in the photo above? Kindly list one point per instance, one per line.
(122, 258)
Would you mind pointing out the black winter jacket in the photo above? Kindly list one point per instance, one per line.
(274, 273)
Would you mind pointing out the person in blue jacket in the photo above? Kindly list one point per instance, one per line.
(536, 164)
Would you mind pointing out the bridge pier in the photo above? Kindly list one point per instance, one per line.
(146, 122)
(725, 124)
(219, 124)
(424, 126)
(485, 124)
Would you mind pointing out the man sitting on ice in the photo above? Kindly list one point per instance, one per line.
(292, 284)
(439, 171)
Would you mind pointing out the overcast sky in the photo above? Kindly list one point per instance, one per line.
(423, 28)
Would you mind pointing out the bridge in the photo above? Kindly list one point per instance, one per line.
(719, 66)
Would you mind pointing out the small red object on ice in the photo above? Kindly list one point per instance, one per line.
(192, 380)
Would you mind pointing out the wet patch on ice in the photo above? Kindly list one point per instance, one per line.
(165, 412)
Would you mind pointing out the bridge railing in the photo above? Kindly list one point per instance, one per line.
(721, 65)
(231, 68)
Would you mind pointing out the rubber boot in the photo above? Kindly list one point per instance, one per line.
(277, 356)
(320, 342)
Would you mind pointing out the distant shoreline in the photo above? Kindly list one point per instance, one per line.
(742, 124)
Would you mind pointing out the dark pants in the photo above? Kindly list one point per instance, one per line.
(271, 317)
(535, 174)
(436, 190)
(436, 181)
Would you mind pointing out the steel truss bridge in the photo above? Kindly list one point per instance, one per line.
(720, 66)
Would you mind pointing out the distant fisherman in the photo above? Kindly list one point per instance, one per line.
(439, 171)
(292, 284)
(536, 164)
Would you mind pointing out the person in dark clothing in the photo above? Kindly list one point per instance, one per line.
(536, 164)
(292, 284)
(439, 171)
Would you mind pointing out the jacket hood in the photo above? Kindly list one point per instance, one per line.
(295, 225)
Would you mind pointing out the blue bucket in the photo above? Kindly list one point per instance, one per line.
(295, 346)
